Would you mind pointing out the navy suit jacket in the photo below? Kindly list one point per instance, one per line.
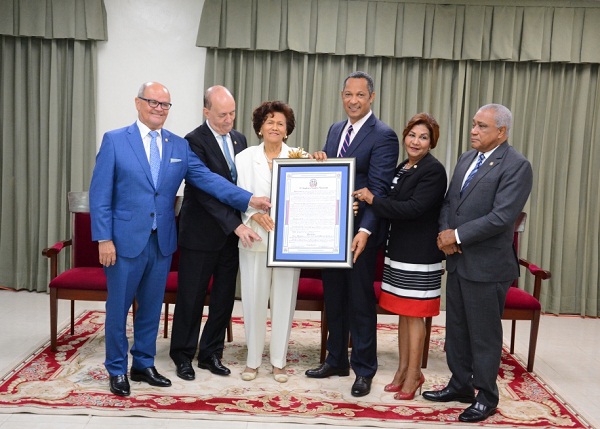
(375, 148)
(485, 214)
(124, 200)
(205, 222)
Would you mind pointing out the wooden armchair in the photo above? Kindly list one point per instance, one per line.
(85, 280)
(520, 304)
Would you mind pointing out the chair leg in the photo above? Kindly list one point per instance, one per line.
(426, 344)
(230, 331)
(533, 334)
(512, 336)
(53, 318)
(72, 317)
(166, 330)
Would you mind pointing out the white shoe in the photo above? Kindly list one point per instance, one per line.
(249, 374)
(280, 375)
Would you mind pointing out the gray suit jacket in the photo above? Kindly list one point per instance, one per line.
(486, 213)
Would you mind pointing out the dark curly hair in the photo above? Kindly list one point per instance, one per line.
(427, 120)
(268, 108)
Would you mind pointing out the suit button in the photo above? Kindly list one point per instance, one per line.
(151, 214)
(156, 194)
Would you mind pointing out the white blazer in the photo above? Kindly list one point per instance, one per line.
(254, 175)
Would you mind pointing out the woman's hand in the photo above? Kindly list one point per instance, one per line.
(363, 195)
(264, 220)
(320, 155)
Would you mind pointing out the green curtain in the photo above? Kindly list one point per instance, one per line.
(552, 87)
(47, 127)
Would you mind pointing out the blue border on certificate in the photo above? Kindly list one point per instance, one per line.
(335, 252)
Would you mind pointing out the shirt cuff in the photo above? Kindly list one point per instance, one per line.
(456, 235)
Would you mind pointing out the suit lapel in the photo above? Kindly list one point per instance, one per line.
(362, 133)
(493, 161)
(137, 146)
(215, 148)
(237, 146)
(167, 151)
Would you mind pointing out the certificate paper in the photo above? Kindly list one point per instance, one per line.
(312, 207)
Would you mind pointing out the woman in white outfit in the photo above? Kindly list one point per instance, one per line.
(273, 121)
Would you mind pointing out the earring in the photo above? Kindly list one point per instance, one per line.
(260, 134)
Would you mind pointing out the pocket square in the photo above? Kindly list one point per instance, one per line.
(175, 160)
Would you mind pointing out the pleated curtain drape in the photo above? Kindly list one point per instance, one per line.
(538, 58)
(47, 127)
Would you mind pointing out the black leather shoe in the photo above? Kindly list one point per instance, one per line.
(325, 370)
(149, 375)
(361, 386)
(119, 385)
(448, 395)
(185, 370)
(214, 365)
(476, 413)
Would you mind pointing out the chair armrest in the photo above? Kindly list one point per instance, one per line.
(539, 274)
(52, 254)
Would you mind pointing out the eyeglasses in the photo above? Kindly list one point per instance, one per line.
(154, 104)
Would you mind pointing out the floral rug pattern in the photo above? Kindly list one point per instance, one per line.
(74, 381)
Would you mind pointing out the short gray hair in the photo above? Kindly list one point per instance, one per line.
(502, 115)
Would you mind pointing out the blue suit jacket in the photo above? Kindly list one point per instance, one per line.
(375, 148)
(124, 200)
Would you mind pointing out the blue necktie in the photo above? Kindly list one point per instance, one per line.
(480, 160)
(154, 165)
(229, 159)
(346, 142)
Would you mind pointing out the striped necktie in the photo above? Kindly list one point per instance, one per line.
(346, 144)
(480, 160)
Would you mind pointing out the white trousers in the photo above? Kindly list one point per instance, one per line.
(260, 285)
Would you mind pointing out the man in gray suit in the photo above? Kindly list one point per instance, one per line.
(490, 186)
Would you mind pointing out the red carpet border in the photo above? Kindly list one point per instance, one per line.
(74, 381)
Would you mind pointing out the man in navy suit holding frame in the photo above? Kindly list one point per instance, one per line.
(350, 301)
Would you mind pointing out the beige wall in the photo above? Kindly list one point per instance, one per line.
(150, 40)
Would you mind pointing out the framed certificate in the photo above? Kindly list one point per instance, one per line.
(312, 208)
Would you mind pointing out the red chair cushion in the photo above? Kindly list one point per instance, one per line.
(377, 287)
(310, 289)
(518, 298)
(84, 278)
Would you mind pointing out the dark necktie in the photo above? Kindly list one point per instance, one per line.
(229, 159)
(346, 144)
(480, 160)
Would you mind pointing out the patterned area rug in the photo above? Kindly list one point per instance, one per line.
(74, 381)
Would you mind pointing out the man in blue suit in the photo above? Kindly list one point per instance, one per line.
(349, 295)
(489, 188)
(138, 171)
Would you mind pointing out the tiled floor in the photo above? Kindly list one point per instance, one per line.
(567, 358)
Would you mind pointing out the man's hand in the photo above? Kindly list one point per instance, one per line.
(260, 203)
(264, 220)
(358, 244)
(107, 253)
(320, 155)
(247, 235)
(446, 242)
